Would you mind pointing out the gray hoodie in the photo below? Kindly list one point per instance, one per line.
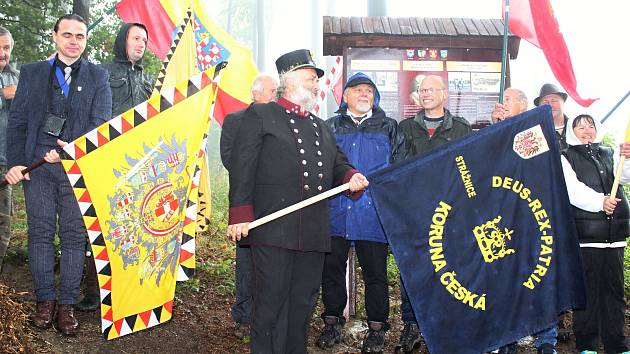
(8, 77)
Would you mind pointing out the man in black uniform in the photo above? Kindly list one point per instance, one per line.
(282, 155)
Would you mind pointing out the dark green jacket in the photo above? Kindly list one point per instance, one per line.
(416, 135)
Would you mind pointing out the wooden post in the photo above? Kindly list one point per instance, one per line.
(351, 285)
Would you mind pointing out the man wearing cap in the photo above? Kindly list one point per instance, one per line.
(282, 155)
(432, 127)
(550, 94)
(371, 141)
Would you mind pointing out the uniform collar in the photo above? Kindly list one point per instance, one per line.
(293, 108)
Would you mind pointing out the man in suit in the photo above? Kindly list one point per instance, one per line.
(56, 101)
(264, 90)
(282, 155)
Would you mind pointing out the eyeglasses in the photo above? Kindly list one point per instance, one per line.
(430, 90)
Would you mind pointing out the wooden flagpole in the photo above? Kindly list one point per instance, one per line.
(298, 206)
(622, 159)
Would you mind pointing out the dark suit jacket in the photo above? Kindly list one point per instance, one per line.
(90, 106)
(231, 123)
(282, 159)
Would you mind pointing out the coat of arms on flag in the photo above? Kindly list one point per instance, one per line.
(136, 179)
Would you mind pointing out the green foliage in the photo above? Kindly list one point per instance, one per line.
(609, 140)
(218, 180)
(392, 271)
(191, 285)
(31, 24)
(152, 64)
(100, 45)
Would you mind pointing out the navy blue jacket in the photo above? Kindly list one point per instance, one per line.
(90, 106)
(370, 146)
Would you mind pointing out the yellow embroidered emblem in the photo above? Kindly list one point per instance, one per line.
(492, 241)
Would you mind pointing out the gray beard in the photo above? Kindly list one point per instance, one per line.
(362, 107)
(303, 97)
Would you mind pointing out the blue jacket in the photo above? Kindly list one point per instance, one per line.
(370, 146)
(90, 106)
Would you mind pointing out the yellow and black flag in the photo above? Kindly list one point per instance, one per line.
(136, 180)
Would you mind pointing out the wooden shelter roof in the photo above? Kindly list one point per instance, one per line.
(412, 32)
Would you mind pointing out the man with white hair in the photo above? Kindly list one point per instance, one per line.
(514, 103)
(282, 155)
(8, 84)
(264, 90)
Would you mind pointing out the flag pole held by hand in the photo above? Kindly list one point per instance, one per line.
(26, 170)
(298, 206)
(622, 159)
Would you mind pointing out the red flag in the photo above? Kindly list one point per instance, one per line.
(151, 14)
(535, 22)
(212, 45)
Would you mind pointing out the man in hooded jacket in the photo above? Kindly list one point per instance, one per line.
(371, 141)
(130, 86)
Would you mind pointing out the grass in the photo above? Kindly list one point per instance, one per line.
(17, 251)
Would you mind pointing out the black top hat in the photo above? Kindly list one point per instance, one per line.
(297, 59)
(548, 89)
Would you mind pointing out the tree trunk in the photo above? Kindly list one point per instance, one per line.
(81, 8)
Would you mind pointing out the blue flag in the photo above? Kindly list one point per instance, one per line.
(483, 235)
